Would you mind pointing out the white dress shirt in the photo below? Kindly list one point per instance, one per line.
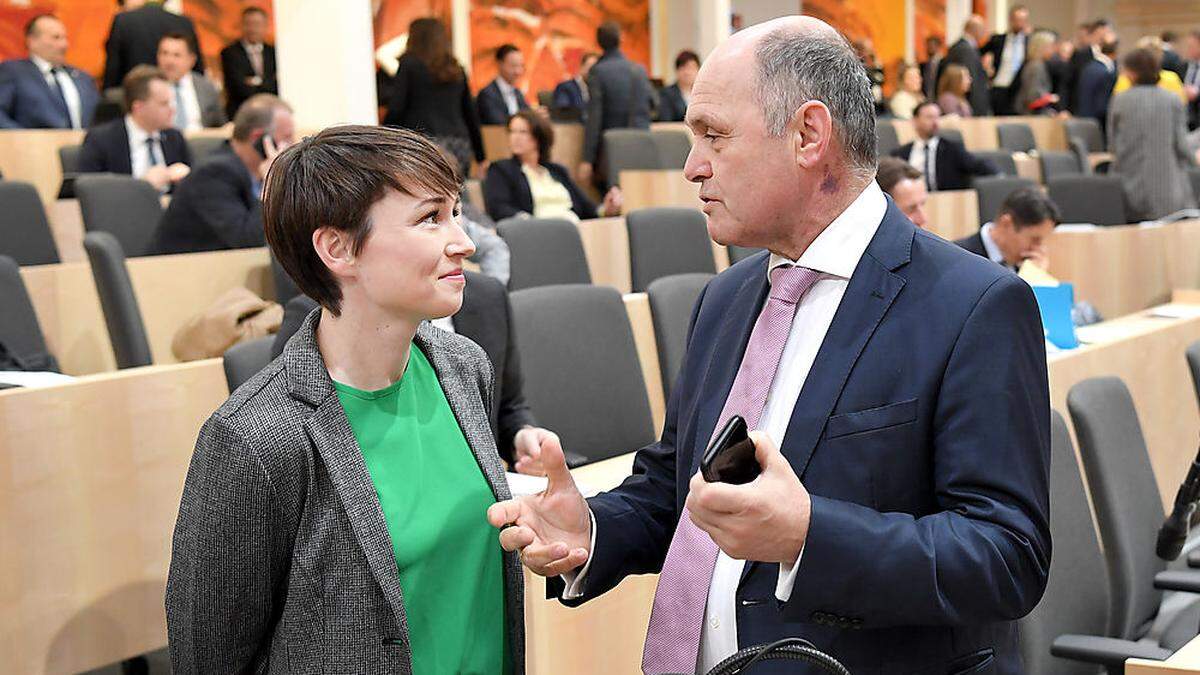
(139, 155)
(993, 250)
(923, 158)
(835, 253)
(254, 52)
(1010, 60)
(70, 92)
(510, 95)
(187, 101)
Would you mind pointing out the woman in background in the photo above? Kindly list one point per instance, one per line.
(1035, 93)
(673, 101)
(909, 96)
(953, 87)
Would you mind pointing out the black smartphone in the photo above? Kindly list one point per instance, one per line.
(730, 457)
(260, 145)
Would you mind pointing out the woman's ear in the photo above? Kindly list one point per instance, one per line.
(334, 249)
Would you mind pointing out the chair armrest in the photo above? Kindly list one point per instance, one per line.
(1187, 581)
(1103, 650)
(1193, 559)
(574, 459)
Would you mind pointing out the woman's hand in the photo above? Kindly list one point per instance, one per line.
(613, 202)
(527, 450)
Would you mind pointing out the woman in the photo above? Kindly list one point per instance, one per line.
(430, 95)
(1035, 91)
(1167, 79)
(528, 184)
(1147, 133)
(673, 100)
(333, 514)
(953, 87)
(906, 100)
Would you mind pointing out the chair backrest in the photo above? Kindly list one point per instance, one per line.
(24, 231)
(203, 146)
(544, 252)
(886, 140)
(629, 150)
(123, 206)
(1087, 130)
(1015, 137)
(1059, 163)
(244, 360)
(20, 332)
(672, 146)
(991, 191)
(1076, 597)
(1003, 160)
(953, 134)
(1082, 157)
(664, 241)
(671, 302)
(1193, 361)
(122, 315)
(1096, 199)
(740, 253)
(285, 288)
(545, 99)
(1128, 506)
(68, 157)
(582, 374)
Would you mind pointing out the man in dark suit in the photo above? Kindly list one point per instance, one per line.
(965, 53)
(218, 206)
(197, 102)
(1019, 232)
(946, 164)
(133, 39)
(42, 91)
(502, 99)
(1094, 85)
(248, 65)
(1005, 53)
(900, 518)
(932, 66)
(142, 143)
(1171, 60)
(572, 94)
(619, 97)
(1091, 38)
(1191, 77)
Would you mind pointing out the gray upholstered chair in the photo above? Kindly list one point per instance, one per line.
(1002, 159)
(671, 302)
(544, 252)
(1059, 163)
(24, 230)
(1095, 199)
(1015, 137)
(20, 332)
(629, 150)
(991, 191)
(664, 241)
(672, 146)
(952, 134)
(582, 374)
(123, 206)
(202, 147)
(1193, 361)
(886, 140)
(1087, 130)
(740, 253)
(122, 315)
(68, 158)
(244, 360)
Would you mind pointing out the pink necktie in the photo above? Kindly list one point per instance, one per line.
(673, 639)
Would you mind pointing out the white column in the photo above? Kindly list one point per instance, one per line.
(325, 60)
(957, 12)
(714, 25)
(460, 30)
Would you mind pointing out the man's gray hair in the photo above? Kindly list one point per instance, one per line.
(796, 67)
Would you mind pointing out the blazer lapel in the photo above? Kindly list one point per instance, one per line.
(48, 92)
(122, 160)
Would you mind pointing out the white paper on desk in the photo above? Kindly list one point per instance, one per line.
(1076, 227)
(521, 485)
(31, 380)
(1176, 311)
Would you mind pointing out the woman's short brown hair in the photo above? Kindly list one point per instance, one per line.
(952, 80)
(1143, 67)
(332, 180)
(543, 133)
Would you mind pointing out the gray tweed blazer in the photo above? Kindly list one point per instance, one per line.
(281, 561)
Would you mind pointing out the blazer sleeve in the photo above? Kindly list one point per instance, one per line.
(1182, 149)
(223, 210)
(514, 413)
(92, 158)
(491, 110)
(983, 556)
(228, 557)
(399, 100)
(471, 117)
(8, 99)
(582, 206)
(499, 193)
(234, 75)
(592, 126)
(113, 62)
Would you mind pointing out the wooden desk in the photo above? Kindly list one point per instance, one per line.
(953, 214)
(642, 189)
(1028, 166)
(31, 155)
(66, 226)
(637, 306)
(90, 478)
(979, 133)
(1185, 661)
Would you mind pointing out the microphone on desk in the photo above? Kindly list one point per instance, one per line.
(1173, 533)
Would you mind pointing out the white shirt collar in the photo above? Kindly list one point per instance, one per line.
(42, 64)
(837, 250)
(505, 87)
(137, 135)
(993, 250)
(186, 80)
(252, 46)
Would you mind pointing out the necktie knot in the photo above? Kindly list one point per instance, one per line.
(789, 284)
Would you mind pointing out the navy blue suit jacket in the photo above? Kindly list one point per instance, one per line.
(922, 433)
(28, 102)
(1093, 92)
(491, 107)
(569, 94)
(106, 148)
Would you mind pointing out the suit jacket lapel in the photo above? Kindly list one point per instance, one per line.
(48, 92)
(123, 159)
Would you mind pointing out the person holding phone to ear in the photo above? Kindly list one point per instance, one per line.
(219, 206)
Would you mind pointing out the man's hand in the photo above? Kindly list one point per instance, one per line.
(178, 171)
(552, 529)
(1038, 256)
(271, 151)
(764, 520)
(527, 450)
(158, 176)
(1191, 91)
(613, 203)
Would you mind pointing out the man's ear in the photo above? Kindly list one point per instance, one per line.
(811, 128)
(334, 249)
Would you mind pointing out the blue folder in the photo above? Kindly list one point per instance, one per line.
(1055, 303)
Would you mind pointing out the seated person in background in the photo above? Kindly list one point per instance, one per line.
(946, 163)
(529, 183)
(501, 98)
(218, 206)
(1019, 231)
(486, 319)
(673, 100)
(42, 91)
(905, 100)
(197, 103)
(953, 87)
(143, 143)
(906, 186)
(573, 94)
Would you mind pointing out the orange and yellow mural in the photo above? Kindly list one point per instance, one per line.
(880, 20)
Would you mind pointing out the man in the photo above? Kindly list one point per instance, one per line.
(1191, 77)
(965, 53)
(900, 518)
(572, 95)
(248, 65)
(133, 39)
(42, 91)
(1003, 55)
(1092, 37)
(218, 206)
(906, 186)
(945, 163)
(142, 143)
(502, 99)
(1026, 219)
(1171, 60)
(1094, 85)
(932, 65)
(619, 97)
(197, 103)
(1058, 66)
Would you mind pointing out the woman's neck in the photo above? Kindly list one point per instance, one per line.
(530, 159)
(364, 348)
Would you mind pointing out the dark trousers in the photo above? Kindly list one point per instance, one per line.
(1002, 101)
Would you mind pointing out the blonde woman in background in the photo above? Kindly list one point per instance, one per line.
(909, 96)
(1035, 94)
